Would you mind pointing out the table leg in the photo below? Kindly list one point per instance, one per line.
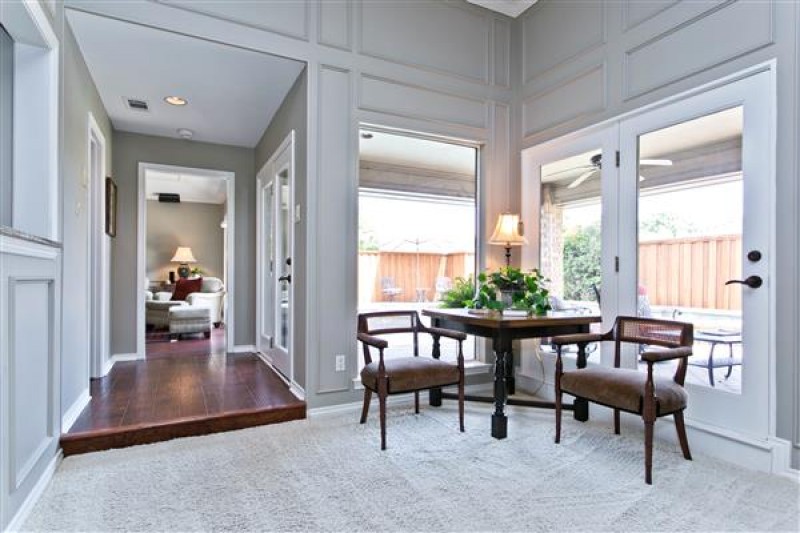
(581, 406)
(711, 364)
(511, 385)
(435, 394)
(499, 419)
(730, 360)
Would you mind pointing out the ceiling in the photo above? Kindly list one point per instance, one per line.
(232, 93)
(403, 150)
(512, 8)
(192, 188)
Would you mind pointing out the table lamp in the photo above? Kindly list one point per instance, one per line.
(508, 232)
(184, 256)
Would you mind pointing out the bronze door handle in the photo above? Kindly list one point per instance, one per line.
(753, 282)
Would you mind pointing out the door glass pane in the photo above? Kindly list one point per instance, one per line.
(570, 221)
(284, 260)
(416, 229)
(267, 203)
(690, 240)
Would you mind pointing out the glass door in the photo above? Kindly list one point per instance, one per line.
(695, 226)
(266, 234)
(572, 181)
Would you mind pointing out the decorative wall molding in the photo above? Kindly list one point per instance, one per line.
(653, 9)
(342, 37)
(27, 248)
(683, 40)
(74, 411)
(24, 511)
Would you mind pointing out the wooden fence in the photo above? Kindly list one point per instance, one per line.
(692, 272)
(414, 274)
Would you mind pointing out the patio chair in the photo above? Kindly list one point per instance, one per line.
(631, 390)
(411, 373)
(389, 289)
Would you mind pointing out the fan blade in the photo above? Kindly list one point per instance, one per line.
(573, 169)
(656, 162)
(583, 177)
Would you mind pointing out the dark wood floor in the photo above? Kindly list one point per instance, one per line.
(184, 388)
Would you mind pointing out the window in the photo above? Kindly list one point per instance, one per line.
(416, 228)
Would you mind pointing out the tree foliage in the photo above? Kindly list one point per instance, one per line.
(582, 263)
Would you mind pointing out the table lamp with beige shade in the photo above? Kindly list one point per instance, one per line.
(508, 232)
(184, 256)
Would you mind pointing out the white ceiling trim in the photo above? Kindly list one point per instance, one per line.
(512, 8)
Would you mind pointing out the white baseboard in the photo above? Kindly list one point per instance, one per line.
(243, 348)
(27, 506)
(118, 357)
(356, 406)
(294, 388)
(75, 410)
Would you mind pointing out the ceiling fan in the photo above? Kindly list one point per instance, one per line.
(596, 163)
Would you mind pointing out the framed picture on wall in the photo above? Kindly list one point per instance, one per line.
(111, 207)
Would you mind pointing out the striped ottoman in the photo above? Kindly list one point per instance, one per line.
(187, 319)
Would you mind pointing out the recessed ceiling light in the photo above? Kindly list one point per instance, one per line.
(366, 135)
(185, 133)
(176, 100)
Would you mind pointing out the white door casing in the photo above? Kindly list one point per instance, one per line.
(99, 258)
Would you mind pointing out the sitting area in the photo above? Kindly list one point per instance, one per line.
(193, 307)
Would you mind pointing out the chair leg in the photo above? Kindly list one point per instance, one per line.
(461, 405)
(648, 452)
(365, 409)
(681, 427)
(616, 421)
(382, 402)
(558, 415)
(416, 402)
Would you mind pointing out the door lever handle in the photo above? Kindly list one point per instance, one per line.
(287, 278)
(753, 282)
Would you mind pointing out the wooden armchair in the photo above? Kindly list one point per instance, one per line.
(411, 373)
(630, 390)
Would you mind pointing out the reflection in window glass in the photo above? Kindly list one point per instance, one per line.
(690, 240)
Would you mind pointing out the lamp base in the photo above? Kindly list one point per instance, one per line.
(508, 256)
(183, 270)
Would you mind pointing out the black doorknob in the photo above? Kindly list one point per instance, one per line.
(287, 278)
(753, 282)
(754, 256)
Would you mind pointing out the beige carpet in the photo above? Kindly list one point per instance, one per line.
(328, 474)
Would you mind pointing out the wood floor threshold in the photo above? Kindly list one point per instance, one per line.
(121, 437)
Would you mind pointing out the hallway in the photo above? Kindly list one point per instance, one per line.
(185, 388)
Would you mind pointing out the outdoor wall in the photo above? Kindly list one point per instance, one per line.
(80, 98)
(185, 224)
(583, 62)
(293, 116)
(129, 150)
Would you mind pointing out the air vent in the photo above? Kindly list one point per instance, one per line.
(137, 104)
(169, 198)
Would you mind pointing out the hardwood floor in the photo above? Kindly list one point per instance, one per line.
(185, 388)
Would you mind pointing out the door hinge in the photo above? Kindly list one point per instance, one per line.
(617, 158)
(616, 263)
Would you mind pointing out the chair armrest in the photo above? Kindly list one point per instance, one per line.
(373, 341)
(203, 296)
(148, 296)
(449, 333)
(666, 355)
(577, 338)
(163, 296)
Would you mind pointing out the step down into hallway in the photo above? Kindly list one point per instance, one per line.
(180, 395)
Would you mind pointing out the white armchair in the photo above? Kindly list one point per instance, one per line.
(212, 296)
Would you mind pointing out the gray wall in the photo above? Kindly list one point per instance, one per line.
(80, 99)
(129, 150)
(435, 67)
(185, 224)
(292, 115)
(585, 61)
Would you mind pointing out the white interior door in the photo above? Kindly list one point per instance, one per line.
(265, 318)
(276, 249)
(696, 196)
(99, 257)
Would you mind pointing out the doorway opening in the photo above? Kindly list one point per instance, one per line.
(99, 259)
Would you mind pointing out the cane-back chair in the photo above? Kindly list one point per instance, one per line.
(631, 390)
(409, 372)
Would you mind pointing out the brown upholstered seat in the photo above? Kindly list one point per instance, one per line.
(395, 375)
(407, 374)
(631, 390)
(624, 389)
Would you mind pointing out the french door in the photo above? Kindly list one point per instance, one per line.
(668, 214)
(276, 248)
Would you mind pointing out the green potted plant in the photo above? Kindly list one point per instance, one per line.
(516, 289)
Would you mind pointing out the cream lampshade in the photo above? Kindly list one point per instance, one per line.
(508, 232)
(184, 256)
